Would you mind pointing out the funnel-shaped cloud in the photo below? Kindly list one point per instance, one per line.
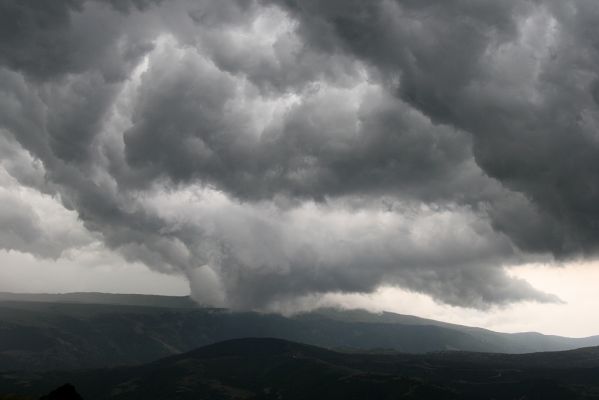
(270, 150)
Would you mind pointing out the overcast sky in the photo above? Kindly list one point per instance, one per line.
(438, 158)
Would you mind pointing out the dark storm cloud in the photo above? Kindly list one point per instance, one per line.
(453, 119)
(57, 112)
(186, 127)
(268, 256)
(48, 40)
(448, 54)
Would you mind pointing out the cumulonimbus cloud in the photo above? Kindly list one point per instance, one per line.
(270, 150)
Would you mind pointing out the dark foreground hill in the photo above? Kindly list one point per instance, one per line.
(89, 330)
(276, 369)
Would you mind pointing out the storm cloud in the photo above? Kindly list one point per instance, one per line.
(271, 150)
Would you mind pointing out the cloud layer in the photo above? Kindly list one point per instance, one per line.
(271, 150)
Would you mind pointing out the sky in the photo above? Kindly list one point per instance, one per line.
(436, 158)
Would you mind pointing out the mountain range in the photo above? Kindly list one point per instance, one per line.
(269, 369)
(92, 330)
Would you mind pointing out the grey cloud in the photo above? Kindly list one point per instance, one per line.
(50, 40)
(24, 230)
(33, 36)
(260, 256)
(531, 117)
(279, 62)
(190, 125)
(477, 287)
(20, 165)
(348, 105)
(19, 228)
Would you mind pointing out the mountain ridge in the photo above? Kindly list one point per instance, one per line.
(45, 335)
(271, 368)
